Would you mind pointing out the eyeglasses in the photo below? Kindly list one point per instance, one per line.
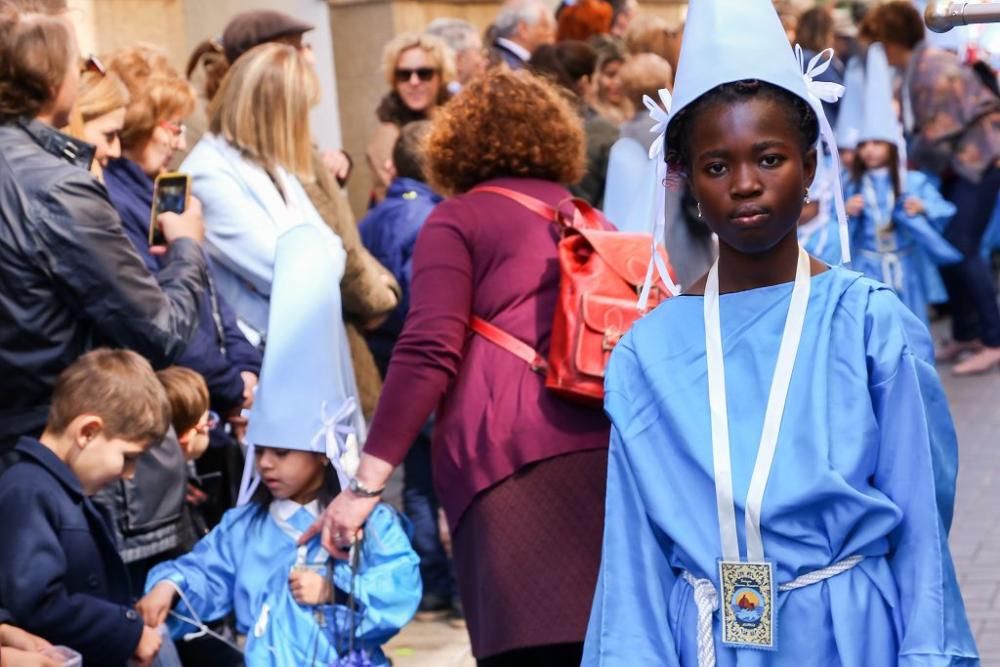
(175, 129)
(423, 73)
(212, 421)
(93, 64)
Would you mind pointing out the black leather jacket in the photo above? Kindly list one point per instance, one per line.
(70, 279)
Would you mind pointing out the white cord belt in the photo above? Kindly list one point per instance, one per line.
(706, 599)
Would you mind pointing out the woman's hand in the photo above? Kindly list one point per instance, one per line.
(156, 604)
(913, 206)
(14, 637)
(855, 205)
(342, 521)
(309, 587)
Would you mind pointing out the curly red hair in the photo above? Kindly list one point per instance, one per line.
(505, 123)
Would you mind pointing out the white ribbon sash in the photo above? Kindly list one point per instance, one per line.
(790, 338)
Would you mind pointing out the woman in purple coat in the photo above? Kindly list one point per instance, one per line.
(519, 471)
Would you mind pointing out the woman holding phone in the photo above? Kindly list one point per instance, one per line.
(159, 100)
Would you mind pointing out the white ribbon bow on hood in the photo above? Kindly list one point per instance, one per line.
(339, 440)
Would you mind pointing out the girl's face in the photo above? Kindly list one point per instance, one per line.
(418, 80)
(748, 172)
(609, 87)
(103, 132)
(290, 473)
(875, 154)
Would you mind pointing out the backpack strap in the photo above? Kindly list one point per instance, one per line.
(504, 340)
(585, 216)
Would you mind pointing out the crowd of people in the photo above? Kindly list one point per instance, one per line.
(201, 405)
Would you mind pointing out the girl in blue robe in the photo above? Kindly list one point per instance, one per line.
(292, 609)
(250, 564)
(855, 512)
(296, 605)
(895, 235)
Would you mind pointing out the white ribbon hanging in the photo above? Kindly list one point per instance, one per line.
(826, 91)
(658, 225)
(339, 440)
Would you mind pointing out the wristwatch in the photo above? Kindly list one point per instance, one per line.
(359, 489)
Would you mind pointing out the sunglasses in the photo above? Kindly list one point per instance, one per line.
(175, 129)
(210, 423)
(423, 73)
(93, 64)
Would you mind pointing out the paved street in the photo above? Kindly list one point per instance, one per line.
(975, 536)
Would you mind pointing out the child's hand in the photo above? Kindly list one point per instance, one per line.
(13, 637)
(149, 646)
(855, 205)
(913, 206)
(309, 587)
(12, 657)
(156, 604)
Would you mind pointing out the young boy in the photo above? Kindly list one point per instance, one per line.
(60, 573)
(389, 231)
(189, 398)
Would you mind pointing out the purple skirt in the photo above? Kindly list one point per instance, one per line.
(527, 552)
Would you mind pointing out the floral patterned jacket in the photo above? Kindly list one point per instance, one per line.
(953, 120)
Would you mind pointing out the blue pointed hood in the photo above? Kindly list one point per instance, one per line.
(880, 122)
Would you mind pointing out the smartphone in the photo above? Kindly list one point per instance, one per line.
(170, 193)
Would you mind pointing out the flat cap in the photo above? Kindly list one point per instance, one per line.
(249, 29)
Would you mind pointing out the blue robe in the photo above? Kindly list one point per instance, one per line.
(866, 463)
(244, 563)
(918, 238)
(821, 236)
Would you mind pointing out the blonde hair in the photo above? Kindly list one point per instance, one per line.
(157, 92)
(437, 51)
(644, 74)
(99, 94)
(262, 108)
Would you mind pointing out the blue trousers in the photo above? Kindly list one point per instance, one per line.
(420, 504)
(971, 292)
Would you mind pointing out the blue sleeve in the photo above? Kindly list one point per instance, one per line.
(388, 587)
(33, 576)
(628, 625)
(926, 228)
(917, 468)
(207, 575)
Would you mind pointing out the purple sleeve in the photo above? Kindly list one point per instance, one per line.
(429, 350)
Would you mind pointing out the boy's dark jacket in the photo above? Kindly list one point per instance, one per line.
(60, 574)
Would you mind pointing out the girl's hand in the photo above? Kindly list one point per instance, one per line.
(913, 206)
(309, 587)
(855, 205)
(156, 604)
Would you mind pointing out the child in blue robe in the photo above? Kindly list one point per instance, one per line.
(794, 429)
(296, 606)
(897, 216)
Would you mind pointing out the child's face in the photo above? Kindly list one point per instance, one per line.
(748, 172)
(290, 473)
(875, 154)
(195, 442)
(100, 460)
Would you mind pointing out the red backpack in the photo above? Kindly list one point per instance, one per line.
(601, 274)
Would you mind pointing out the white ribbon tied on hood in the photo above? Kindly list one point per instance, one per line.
(339, 440)
(827, 91)
(657, 154)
